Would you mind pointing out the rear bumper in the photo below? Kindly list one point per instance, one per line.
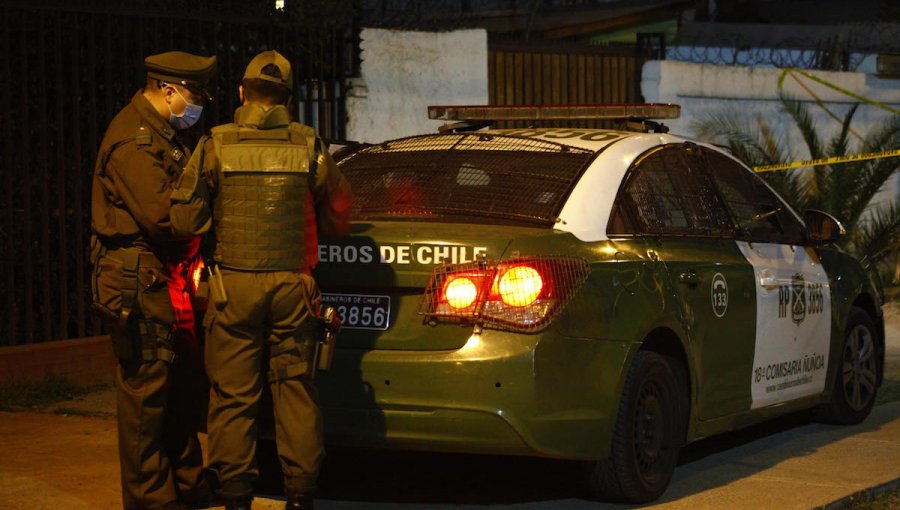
(451, 430)
(507, 393)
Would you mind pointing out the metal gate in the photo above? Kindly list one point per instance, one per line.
(66, 68)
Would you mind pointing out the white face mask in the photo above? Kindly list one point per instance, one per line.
(188, 118)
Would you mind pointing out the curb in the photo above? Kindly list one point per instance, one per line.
(864, 495)
(84, 360)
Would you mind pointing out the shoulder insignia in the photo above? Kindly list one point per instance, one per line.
(177, 155)
(143, 136)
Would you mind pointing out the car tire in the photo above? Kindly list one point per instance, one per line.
(648, 432)
(856, 385)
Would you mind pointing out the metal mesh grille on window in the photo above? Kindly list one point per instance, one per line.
(669, 197)
(756, 209)
(475, 176)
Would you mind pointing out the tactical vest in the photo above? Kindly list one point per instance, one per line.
(260, 209)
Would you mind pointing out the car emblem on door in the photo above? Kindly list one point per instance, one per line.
(719, 294)
(798, 298)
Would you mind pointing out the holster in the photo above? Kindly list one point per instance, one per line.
(330, 326)
(124, 345)
(133, 337)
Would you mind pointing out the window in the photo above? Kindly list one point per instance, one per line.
(667, 191)
(464, 177)
(759, 214)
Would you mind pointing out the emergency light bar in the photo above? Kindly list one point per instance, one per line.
(555, 112)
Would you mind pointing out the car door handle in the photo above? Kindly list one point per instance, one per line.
(768, 282)
(689, 278)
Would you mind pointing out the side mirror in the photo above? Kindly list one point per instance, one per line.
(821, 227)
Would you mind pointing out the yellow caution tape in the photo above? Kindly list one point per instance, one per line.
(835, 88)
(828, 161)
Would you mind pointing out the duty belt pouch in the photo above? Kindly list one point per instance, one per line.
(217, 293)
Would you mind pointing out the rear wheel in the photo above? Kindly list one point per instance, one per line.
(853, 394)
(647, 434)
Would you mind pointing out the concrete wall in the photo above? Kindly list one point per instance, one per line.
(702, 89)
(404, 72)
(752, 94)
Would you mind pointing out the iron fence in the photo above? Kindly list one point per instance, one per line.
(66, 68)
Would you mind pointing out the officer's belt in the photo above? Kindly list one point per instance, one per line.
(134, 257)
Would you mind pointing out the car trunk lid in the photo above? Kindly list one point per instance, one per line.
(377, 286)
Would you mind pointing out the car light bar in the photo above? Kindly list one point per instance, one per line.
(555, 112)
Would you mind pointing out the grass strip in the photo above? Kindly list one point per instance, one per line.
(26, 394)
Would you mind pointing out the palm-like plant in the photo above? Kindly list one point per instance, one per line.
(843, 190)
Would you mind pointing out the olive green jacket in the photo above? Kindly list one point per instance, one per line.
(139, 161)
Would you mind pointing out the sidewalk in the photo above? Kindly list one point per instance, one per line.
(71, 461)
(807, 467)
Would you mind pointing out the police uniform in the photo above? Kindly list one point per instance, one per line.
(140, 286)
(264, 187)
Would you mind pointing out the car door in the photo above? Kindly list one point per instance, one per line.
(793, 298)
(668, 198)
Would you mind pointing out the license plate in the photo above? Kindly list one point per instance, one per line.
(360, 311)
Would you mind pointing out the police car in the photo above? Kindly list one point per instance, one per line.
(599, 295)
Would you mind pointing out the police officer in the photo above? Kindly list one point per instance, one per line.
(265, 187)
(140, 285)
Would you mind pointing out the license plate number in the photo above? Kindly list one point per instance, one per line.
(360, 311)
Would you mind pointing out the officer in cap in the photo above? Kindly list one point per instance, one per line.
(141, 285)
(264, 187)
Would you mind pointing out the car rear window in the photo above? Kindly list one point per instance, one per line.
(464, 177)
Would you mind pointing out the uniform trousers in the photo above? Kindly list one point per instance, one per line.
(159, 451)
(159, 400)
(264, 334)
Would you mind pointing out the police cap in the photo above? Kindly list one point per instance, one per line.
(191, 71)
(255, 69)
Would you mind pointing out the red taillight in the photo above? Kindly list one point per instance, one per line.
(460, 292)
(520, 294)
(520, 285)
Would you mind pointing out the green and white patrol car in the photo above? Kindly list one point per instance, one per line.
(585, 294)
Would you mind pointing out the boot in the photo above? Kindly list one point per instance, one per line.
(201, 497)
(298, 501)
